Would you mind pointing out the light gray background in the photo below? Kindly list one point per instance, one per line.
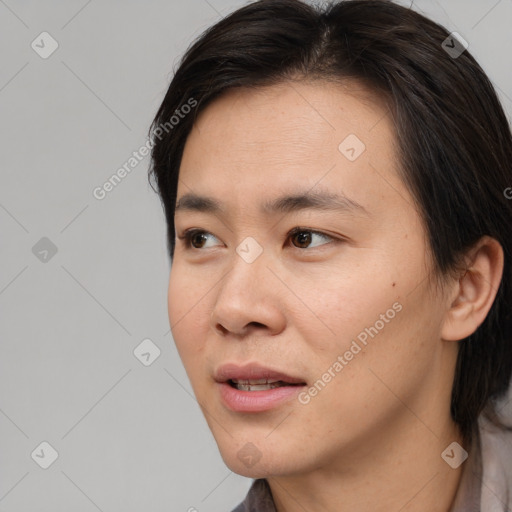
(129, 437)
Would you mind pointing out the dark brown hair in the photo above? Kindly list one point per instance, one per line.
(453, 138)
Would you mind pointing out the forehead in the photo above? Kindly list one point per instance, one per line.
(289, 114)
(263, 141)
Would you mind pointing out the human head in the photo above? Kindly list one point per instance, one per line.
(452, 137)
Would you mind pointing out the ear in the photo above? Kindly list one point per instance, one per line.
(473, 293)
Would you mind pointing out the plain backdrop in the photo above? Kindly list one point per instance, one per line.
(83, 281)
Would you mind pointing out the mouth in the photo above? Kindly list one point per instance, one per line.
(252, 375)
(259, 384)
(255, 388)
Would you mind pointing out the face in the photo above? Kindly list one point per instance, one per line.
(306, 265)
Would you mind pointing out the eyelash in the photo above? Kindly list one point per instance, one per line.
(190, 233)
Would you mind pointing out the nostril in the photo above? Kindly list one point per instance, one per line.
(221, 329)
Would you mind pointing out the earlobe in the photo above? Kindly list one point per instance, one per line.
(475, 290)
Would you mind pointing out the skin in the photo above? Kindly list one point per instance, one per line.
(372, 438)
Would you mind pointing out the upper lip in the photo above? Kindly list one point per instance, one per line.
(252, 371)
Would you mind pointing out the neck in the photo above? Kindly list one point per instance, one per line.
(399, 469)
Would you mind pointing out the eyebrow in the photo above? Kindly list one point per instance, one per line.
(307, 200)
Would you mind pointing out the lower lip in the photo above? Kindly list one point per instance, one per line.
(256, 401)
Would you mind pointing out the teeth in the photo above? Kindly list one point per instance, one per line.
(258, 387)
(253, 381)
(257, 384)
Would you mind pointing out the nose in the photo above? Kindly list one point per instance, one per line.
(249, 300)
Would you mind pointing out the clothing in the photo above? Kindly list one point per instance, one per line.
(485, 483)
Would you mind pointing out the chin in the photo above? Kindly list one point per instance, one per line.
(246, 459)
(254, 472)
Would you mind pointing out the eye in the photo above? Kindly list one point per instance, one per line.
(196, 238)
(305, 235)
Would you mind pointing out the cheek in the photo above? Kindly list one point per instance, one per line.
(188, 313)
(184, 294)
(175, 303)
(368, 379)
(332, 309)
(376, 323)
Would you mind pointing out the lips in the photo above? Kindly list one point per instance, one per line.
(254, 388)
